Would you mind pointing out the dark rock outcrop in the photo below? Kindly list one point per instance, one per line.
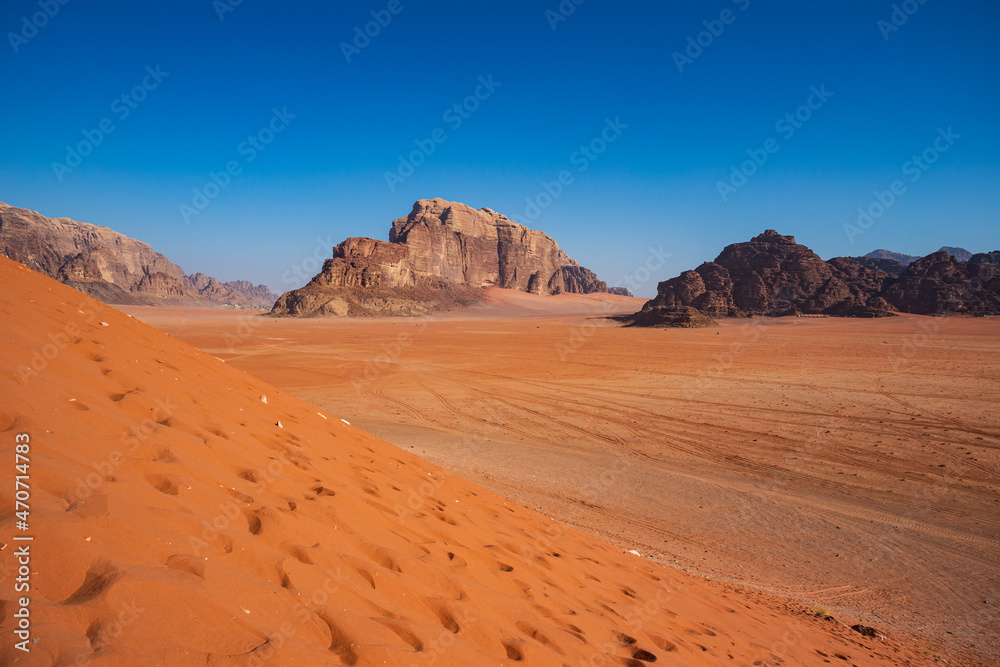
(939, 283)
(112, 267)
(773, 275)
(893, 267)
(681, 317)
(961, 254)
(442, 255)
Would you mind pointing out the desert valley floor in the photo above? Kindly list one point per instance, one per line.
(846, 465)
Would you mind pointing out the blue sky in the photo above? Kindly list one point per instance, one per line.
(210, 85)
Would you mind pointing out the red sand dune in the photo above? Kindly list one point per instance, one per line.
(179, 519)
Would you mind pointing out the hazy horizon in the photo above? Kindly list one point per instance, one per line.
(296, 121)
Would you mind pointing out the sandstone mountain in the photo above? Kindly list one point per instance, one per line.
(112, 267)
(443, 254)
(774, 275)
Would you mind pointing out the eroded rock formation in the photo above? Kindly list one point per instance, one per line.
(939, 283)
(442, 254)
(113, 267)
(773, 275)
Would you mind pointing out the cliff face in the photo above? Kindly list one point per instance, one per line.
(441, 253)
(773, 275)
(485, 249)
(112, 267)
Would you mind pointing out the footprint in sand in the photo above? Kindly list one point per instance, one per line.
(253, 522)
(382, 557)
(298, 553)
(399, 628)
(537, 635)
(99, 578)
(340, 644)
(187, 563)
(644, 655)
(571, 629)
(165, 455)
(240, 496)
(7, 422)
(163, 484)
(662, 643)
(447, 621)
(513, 652)
(321, 490)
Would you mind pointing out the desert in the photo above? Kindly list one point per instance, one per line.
(185, 512)
(556, 334)
(849, 465)
(350, 477)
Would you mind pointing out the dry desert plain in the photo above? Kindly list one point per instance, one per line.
(842, 465)
(178, 511)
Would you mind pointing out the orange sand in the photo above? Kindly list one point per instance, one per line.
(179, 519)
(850, 464)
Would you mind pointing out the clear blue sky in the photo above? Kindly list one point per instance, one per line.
(323, 177)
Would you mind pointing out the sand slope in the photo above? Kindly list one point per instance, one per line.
(178, 519)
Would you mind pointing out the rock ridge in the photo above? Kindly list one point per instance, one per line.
(772, 275)
(112, 267)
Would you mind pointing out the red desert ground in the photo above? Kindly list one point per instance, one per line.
(184, 512)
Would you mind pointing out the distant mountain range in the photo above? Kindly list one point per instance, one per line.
(112, 267)
(961, 254)
(773, 275)
(445, 254)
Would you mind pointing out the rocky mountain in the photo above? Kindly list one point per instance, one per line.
(113, 267)
(774, 275)
(939, 283)
(961, 254)
(443, 254)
